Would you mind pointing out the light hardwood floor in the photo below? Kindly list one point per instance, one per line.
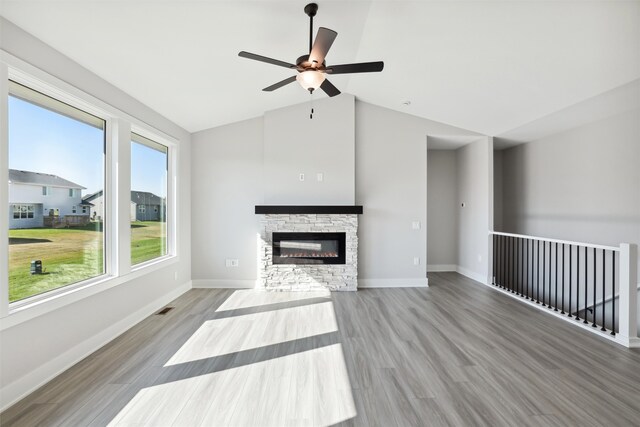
(457, 353)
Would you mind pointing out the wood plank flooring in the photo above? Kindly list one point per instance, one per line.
(457, 353)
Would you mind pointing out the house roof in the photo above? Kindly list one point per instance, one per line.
(38, 178)
(146, 198)
(92, 196)
(138, 197)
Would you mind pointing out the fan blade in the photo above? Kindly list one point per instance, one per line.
(261, 58)
(322, 44)
(362, 67)
(329, 88)
(280, 84)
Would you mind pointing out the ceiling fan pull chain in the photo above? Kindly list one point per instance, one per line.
(311, 115)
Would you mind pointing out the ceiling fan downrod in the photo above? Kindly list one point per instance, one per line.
(311, 9)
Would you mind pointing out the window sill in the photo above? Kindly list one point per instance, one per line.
(31, 308)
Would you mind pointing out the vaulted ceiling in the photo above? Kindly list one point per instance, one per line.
(485, 66)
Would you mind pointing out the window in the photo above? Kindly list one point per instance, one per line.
(23, 211)
(149, 161)
(51, 141)
(85, 210)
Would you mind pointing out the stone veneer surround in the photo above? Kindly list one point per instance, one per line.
(307, 277)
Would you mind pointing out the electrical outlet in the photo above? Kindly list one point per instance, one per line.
(301, 177)
(415, 225)
(416, 261)
(175, 275)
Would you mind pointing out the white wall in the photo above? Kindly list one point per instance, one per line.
(442, 202)
(390, 182)
(475, 219)
(580, 185)
(227, 182)
(498, 209)
(295, 144)
(37, 349)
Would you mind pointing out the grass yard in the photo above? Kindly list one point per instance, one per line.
(148, 240)
(71, 255)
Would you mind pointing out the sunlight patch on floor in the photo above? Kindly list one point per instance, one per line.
(251, 331)
(255, 298)
(307, 388)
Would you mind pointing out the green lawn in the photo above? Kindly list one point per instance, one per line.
(71, 255)
(148, 240)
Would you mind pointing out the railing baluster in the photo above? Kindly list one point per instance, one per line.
(544, 272)
(513, 249)
(570, 277)
(586, 283)
(522, 281)
(502, 261)
(505, 269)
(493, 260)
(549, 298)
(555, 308)
(498, 260)
(604, 296)
(595, 280)
(526, 270)
(613, 293)
(538, 273)
(502, 273)
(563, 274)
(516, 263)
(577, 282)
(519, 260)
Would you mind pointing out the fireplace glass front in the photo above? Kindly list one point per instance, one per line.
(309, 248)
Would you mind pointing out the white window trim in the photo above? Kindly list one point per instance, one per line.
(119, 126)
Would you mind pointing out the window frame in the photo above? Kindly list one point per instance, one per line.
(118, 128)
(69, 104)
(171, 200)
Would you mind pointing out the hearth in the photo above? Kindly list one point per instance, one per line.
(308, 248)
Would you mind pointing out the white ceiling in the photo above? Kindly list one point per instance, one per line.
(485, 66)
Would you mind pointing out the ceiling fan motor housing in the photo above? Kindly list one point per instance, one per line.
(303, 64)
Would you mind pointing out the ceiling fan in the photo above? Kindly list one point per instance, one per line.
(312, 68)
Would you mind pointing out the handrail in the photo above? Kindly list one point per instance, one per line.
(567, 242)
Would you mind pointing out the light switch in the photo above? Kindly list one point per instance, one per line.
(320, 176)
(415, 225)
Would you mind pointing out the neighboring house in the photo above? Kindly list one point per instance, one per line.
(145, 206)
(34, 196)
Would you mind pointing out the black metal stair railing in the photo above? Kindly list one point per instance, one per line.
(576, 280)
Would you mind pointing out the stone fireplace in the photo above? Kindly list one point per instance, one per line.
(305, 248)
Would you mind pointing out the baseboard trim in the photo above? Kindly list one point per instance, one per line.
(17, 390)
(441, 267)
(472, 275)
(224, 284)
(393, 283)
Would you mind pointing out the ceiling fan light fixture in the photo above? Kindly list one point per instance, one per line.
(310, 79)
